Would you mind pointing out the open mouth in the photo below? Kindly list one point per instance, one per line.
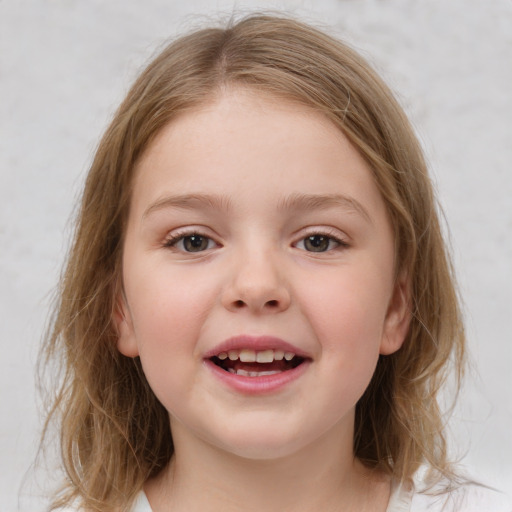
(252, 363)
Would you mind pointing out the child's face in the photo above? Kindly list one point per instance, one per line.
(255, 226)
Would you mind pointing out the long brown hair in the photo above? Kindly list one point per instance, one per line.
(114, 433)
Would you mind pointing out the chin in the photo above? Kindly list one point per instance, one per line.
(260, 444)
(262, 451)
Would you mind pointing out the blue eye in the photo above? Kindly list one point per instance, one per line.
(190, 243)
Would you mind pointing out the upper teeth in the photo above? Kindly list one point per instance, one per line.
(253, 356)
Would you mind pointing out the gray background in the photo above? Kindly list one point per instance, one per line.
(66, 64)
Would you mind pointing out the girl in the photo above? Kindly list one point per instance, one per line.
(258, 311)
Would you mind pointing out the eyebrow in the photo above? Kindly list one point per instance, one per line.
(189, 202)
(293, 202)
(324, 202)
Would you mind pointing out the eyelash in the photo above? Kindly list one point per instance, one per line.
(173, 240)
(326, 234)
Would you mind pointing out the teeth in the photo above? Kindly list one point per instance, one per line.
(244, 373)
(248, 356)
(278, 355)
(267, 356)
(251, 356)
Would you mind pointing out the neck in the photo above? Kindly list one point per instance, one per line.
(324, 477)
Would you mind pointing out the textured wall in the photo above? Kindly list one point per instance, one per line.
(64, 66)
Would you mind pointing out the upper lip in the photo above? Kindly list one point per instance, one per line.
(256, 343)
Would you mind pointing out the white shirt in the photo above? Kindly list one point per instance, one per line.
(466, 498)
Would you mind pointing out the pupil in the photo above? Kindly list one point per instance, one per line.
(195, 243)
(316, 243)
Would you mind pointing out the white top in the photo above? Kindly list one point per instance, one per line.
(467, 498)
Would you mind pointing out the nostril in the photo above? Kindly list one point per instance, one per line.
(272, 304)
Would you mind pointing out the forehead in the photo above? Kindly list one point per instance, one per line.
(243, 141)
(240, 111)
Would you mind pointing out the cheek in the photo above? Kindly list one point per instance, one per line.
(350, 339)
(348, 314)
(165, 302)
(351, 300)
(167, 311)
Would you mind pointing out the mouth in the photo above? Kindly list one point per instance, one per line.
(257, 363)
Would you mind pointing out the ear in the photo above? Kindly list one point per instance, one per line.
(126, 340)
(398, 316)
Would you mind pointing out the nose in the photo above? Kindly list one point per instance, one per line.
(256, 284)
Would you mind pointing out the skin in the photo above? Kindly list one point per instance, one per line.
(255, 158)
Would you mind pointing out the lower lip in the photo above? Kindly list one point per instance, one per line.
(257, 385)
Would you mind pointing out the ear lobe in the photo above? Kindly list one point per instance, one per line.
(126, 341)
(398, 317)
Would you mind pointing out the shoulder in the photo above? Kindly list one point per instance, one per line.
(141, 504)
(468, 497)
(445, 496)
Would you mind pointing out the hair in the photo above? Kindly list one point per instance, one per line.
(114, 433)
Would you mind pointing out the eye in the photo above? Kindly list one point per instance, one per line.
(194, 242)
(319, 243)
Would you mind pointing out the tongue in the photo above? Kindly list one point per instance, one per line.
(280, 366)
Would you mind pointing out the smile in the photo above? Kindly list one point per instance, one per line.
(253, 363)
